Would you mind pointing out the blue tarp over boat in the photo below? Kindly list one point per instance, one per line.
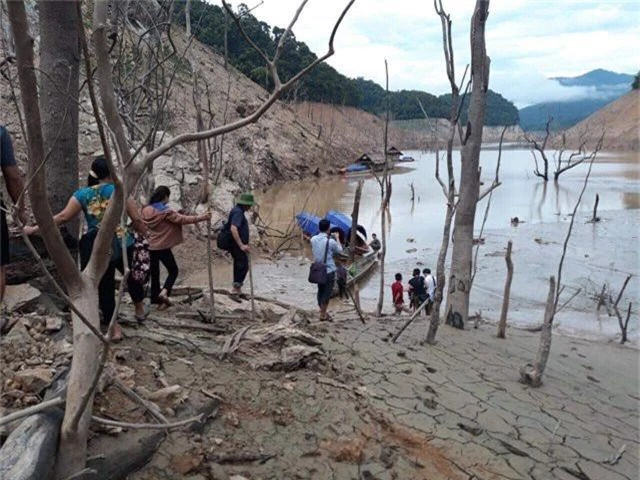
(357, 167)
(308, 223)
(340, 220)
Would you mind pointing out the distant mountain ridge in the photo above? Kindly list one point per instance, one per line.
(600, 88)
(595, 78)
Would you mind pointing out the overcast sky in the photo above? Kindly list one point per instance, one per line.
(527, 40)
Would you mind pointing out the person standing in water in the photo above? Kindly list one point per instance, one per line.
(165, 232)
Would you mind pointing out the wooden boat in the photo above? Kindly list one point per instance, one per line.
(358, 270)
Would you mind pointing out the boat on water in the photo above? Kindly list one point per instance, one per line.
(309, 224)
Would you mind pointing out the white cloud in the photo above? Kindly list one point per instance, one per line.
(527, 41)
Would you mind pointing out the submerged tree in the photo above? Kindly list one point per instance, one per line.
(563, 158)
(462, 253)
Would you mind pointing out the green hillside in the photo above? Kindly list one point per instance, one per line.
(324, 83)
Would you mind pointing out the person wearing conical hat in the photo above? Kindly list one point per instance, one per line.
(239, 227)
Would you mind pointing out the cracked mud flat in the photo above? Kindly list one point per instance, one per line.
(378, 410)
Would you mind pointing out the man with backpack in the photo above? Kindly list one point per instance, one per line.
(417, 289)
(324, 247)
(234, 238)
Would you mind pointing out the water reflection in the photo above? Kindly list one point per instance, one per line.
(521, 195)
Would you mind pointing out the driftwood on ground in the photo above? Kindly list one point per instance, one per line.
(30, 451)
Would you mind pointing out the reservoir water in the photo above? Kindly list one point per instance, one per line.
(602, 253)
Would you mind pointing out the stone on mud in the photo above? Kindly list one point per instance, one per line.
(22, 298)
(33, 380)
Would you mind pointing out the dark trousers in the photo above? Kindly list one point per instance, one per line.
(169, 262)
(240, 265)
(107, 285)
(325, 291)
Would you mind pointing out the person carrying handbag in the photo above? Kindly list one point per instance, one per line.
(324, 247)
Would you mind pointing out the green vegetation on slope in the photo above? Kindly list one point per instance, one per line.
(324, 83)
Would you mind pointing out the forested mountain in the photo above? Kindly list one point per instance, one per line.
(324, 83)
(598, 87)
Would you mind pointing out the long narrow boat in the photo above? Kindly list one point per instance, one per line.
(358, 270)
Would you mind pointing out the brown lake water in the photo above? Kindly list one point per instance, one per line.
(605, 252)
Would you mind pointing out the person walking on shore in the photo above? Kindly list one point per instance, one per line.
(430, 282)
(15, 186)
(397, 293)
(417, 288)
(239, 248)
(324, 247)
(165, 232)
(93, 201)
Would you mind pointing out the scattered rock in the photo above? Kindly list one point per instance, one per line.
(169, 397)
(186, 463)
(412, 250)
(33, 380)
(22, 298)
(216, 472)
(473, 429)
(53, 324)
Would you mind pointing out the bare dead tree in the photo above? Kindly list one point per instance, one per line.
(355, 213)
(502, 326)
(538, 148)
(565, 163)
(532, 374)
(488, 192)
(82, 286)
(385, 187)
(462, 252)
(595, 218)
(563, 159)
(623, 324)
(448, 189)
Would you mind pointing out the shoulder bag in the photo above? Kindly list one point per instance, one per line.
(318, 270)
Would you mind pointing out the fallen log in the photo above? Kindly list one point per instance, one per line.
(30, 450)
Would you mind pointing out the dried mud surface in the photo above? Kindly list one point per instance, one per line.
(372, 409)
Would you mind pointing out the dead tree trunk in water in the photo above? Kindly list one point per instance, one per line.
(462, 253)
(354, 222)
(531, 374)
(595, 217)
(385, 187)
(449, 189)
(58, 93)
(502, 326)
